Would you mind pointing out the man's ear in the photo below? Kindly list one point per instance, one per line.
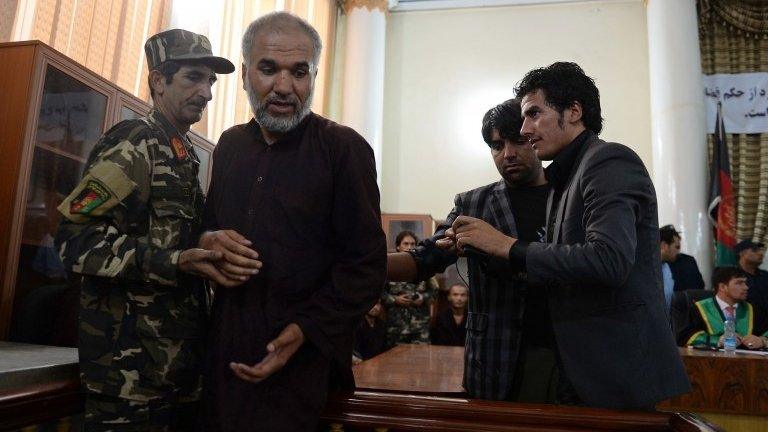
(157, 81)
(574, 112)
(720, 285)
(244, 74)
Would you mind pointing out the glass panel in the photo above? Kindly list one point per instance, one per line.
(128, 114)
(71, 114)
(70, 122)
(205, 160)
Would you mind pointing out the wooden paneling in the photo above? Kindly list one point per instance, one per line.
(723, 383)
(39, 403)
(366, 411)
(15, 82)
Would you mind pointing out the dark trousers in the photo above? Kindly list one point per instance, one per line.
(536, 376)
(539, 378)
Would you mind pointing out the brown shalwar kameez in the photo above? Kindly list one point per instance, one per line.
(310, 205)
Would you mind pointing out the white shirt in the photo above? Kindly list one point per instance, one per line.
(724, 305)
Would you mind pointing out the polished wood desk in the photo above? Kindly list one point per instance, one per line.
(418, 388)
(392, 404)
(724, 383)
(416, 369)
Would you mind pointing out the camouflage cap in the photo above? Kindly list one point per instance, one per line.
(178, 44)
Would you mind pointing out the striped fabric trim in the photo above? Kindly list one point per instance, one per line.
(692, 339)
(705, 315)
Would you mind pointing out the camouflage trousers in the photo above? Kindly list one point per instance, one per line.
(113, 414)
(396, 337)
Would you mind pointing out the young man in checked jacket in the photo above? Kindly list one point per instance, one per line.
(509, 349)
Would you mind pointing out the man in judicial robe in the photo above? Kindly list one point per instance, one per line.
(302, 192)
(707, 317)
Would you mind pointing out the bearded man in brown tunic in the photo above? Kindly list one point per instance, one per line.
(302, 191)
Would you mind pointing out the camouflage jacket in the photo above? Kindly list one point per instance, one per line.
(407, 320)
(123, 229)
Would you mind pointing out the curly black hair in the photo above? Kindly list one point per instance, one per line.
(505, 118)
(564, 83)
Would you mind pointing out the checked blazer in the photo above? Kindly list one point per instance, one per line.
(496, 299)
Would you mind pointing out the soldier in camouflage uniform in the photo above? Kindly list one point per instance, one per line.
(408, 304)
(129, 229)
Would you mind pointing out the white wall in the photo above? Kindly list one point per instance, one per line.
(445, 69)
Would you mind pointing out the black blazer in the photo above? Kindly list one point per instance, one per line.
(604, 282)
(686, 273)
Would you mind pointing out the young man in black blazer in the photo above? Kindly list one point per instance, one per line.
(599, 265)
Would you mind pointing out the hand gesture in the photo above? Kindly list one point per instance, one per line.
(469, 231)
(279, 351)
(403, 300)
(752, 342)
(201, 262)
(239, 261)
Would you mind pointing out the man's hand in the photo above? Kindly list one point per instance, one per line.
(447, 243)
(403, 300)
(201, 262)
(239, 260)
(279, 351)
(752, 342)
(469, 231)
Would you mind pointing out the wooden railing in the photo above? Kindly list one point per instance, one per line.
(369, 411)
(39, 403)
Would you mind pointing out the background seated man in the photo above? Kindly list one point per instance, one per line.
(370, 335)
(407, 303)
(751, 256)
(707, 319)
(451, 323)
(685, 271)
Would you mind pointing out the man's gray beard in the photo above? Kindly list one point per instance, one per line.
(277, 124)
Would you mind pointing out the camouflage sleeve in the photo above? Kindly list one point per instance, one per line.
(430, 289)
(93, 237)
(387, 298)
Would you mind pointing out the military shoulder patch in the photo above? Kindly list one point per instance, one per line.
(92, 196)
(178, 148)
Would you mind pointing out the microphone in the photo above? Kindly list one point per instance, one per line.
(471, 251)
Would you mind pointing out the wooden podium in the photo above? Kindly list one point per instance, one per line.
(418, 388)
